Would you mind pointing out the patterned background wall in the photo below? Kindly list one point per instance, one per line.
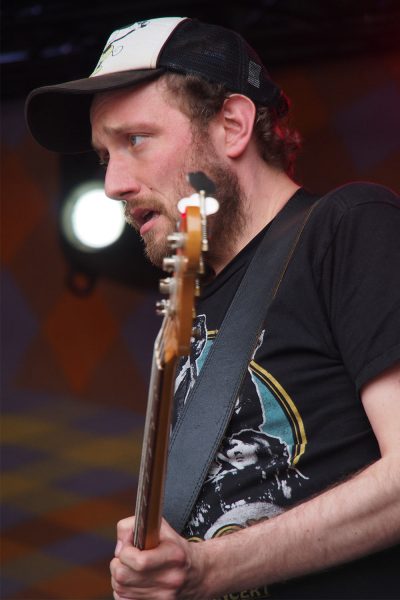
(75, 370)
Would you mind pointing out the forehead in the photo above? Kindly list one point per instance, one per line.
(151, 99)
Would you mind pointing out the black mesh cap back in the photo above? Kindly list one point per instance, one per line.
(219, 55)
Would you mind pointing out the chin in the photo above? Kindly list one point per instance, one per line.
(157, 251)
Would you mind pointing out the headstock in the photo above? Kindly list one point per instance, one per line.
(185, 265)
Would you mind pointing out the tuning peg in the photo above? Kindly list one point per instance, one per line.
(169, 264)
(166, 285)
(162, 307)
(176, 240)
(200, 182)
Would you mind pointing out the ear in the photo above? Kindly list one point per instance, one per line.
(238, 114)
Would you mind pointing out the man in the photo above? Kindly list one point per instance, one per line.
(319, 515)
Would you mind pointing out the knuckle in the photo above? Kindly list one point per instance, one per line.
(118, 588)
(119, 575)
(177, 556)
(123, 524)
(174, 580)
(113, 565)
(115, 587)
(141, 563)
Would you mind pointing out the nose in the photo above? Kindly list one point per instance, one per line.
(120, 181)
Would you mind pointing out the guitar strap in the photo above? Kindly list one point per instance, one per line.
(199, 430)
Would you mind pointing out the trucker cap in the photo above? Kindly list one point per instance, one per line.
(58, 115)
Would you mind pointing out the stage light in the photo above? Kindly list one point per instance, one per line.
(90, 220)
(95, 239)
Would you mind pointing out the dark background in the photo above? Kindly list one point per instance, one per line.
(75, 367)
(55, 40)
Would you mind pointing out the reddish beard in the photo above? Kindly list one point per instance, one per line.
(155, 248)
(224, 227)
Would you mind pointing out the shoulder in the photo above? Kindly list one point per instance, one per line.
(360, 193)
(356, 204)
(357, 195)
(349, 218)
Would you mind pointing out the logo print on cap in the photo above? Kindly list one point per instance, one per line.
(112, 50)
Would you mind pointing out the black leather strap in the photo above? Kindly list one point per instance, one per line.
(199, 431)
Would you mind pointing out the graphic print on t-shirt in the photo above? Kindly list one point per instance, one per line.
(254, 475)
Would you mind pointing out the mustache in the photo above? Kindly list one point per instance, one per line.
(150, 204)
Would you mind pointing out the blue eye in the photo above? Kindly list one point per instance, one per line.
(135, 139)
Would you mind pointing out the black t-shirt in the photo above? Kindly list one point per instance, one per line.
(298, 425)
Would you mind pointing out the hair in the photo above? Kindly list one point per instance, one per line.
(268, 446)
(201, 100)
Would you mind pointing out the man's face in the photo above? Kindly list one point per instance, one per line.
(148, 146)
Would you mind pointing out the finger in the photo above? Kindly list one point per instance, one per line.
(168, 554)
(122, 574)
(125, 528)
(124, 533)
(124, 581)
(167, 531)
(127, 584)
(155, 585)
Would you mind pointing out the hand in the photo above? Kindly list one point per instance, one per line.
(167, 572)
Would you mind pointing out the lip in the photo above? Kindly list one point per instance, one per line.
(149, 224)
(140, 216)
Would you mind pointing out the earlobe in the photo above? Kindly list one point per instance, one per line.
(238, 114)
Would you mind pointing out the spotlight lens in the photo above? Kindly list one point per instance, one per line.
(95, 221)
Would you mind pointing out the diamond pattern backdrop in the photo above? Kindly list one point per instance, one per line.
(75, 370)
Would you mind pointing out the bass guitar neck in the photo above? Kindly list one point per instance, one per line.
(172, 342)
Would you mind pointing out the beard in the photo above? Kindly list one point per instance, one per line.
(224, 227)
(155, 249)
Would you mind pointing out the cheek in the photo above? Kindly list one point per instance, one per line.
(171, 175)
(169, 167)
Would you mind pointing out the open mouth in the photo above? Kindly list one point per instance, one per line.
(141, 215)
(148, 216)
(144, 218)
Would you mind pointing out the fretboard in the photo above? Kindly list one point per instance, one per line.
(155, 449)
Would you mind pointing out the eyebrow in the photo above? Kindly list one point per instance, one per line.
(118, 130)
(109, 131)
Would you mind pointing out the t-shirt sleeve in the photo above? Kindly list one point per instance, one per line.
(362, 272)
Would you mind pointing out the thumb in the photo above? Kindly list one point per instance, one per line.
(124, 533)
(167, 532)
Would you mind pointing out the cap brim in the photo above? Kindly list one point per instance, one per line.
(58, 115)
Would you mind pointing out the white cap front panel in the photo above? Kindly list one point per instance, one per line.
(136, 46)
